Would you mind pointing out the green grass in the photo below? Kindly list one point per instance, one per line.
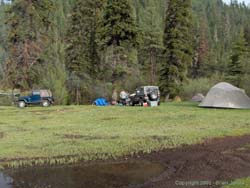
(66, 134)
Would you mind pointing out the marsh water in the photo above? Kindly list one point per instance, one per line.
(109, 175)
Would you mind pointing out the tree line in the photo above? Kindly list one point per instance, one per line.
(85, 49)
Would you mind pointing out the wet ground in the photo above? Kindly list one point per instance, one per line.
(110, 175)
(211, 164)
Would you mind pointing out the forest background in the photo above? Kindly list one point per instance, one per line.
(82, 50)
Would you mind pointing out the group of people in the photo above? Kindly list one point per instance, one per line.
(123, 97)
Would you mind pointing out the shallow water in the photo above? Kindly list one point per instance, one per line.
(112, 175)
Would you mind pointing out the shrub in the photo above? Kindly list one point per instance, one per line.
(54, 78)
(5, 100)
(192, 87)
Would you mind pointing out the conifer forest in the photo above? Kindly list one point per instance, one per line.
(84, 49)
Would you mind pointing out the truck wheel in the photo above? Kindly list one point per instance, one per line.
(131, 103)
(21, 104)
(45, 103)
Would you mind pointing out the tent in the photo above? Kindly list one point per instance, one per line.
(225, 95)
(101, 102)
(198, 98)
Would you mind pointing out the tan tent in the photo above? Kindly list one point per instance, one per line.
(225, 95)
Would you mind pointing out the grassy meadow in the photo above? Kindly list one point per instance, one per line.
(67, 134)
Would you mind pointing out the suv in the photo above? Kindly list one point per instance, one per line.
(146, 94)
(37, 97)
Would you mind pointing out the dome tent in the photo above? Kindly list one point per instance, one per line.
(225, 95)
(199, 97)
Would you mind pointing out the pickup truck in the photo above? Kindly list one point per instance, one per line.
(37, 97)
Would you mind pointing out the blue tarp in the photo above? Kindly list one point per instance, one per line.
(101, 102)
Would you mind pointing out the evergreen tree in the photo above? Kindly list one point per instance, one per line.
(199, 66)
(82, 57)
(28, 23)
(247, 36)
(3, 36)
(118, 23)
(52, 73)
(152, 46)
(119, 36)
(236, 67)
(178, 44)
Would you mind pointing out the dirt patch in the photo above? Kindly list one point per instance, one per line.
(44, 118)
(109, 118)
(212, 164)
(160, 138)
(84, 137)
(1, 135)
(50, 111)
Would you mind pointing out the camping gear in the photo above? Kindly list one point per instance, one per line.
(177, 99)
(198, 98)
(145, 94)
(101, 102)
(225, 95)
(153, 103)
(114, 95)
(124, 98)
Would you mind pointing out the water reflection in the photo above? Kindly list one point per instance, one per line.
(5, 181)
(91, 176)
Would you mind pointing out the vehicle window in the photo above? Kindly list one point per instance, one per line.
(45, 93)
(141, 90)
(35, 93)
(152, 90)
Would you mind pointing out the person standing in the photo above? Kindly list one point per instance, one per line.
(114, 97)
(123, 97)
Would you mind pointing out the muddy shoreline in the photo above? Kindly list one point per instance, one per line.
(213, 163)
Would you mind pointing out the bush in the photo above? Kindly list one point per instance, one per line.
(246, 85)
(192, 87)
(54, 79)
(5, 100)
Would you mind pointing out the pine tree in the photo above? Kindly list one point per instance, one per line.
(28, 23)
(119, 36)
(178, 44)
(81, 52)
(152, 39)
(118, 23)
(247, 36)
(82, 58)
(3, 36)
(199, 66)
(236, 67)
(52, 74)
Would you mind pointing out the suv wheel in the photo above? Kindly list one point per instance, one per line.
(131, 103)
(141, 103)
(45, 103)
(153, 96)
(21, 104)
